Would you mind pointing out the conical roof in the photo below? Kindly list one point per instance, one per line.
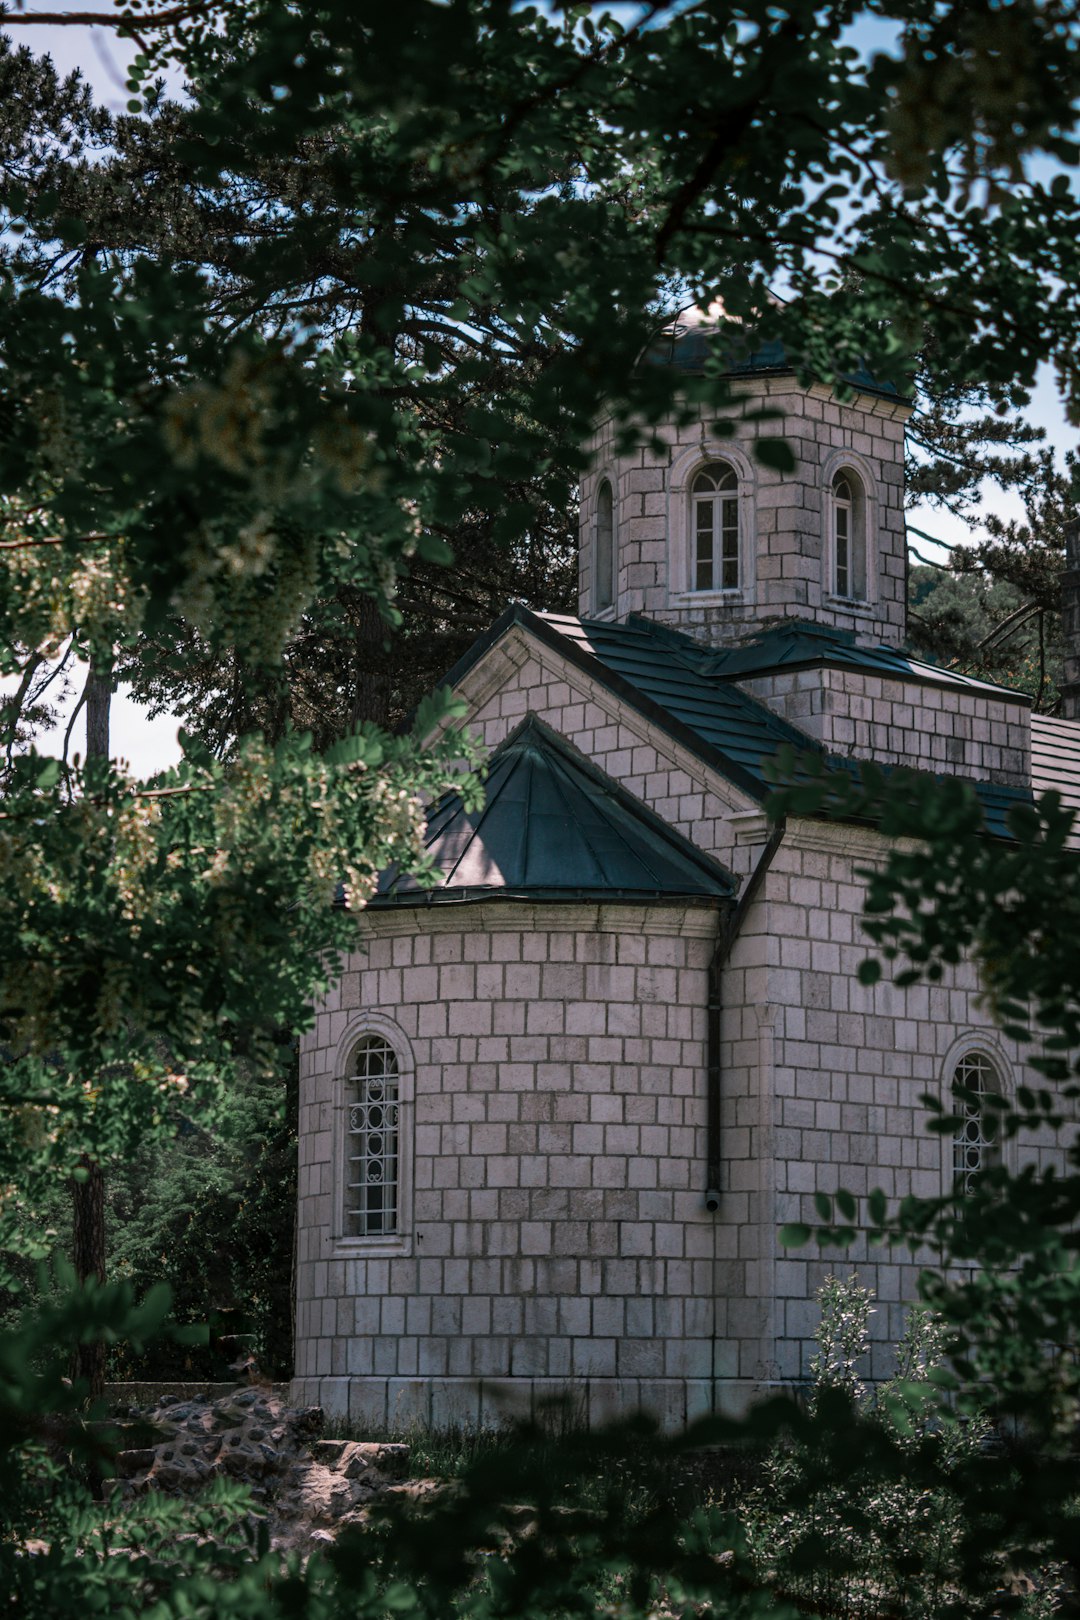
(553, 827)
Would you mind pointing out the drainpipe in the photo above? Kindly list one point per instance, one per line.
(730, 925)
(1070, 622)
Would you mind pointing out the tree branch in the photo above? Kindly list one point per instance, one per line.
(97, 19)
(56, 540)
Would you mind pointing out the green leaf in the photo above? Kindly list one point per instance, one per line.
(433, 549)
(795, 1234)
(776, 454)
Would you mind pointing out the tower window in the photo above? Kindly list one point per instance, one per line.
(975, 1146)
(715, 501)
(371, 1141)
(605, 546)
(849, 537)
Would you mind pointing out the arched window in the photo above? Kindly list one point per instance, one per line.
(605, 546)
(714, 499)
(372, 1141)
(976, 1145)
(849, 536)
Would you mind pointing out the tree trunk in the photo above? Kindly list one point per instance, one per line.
(88, 1195)
(371, 662)
(99, 685)
(88, 1255)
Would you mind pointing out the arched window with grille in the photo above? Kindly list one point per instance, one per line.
(714, 500)
(605, 547)
(372, 1141)
(849, 536)
(976, 1146)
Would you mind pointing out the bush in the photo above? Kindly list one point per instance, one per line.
(873, 1540)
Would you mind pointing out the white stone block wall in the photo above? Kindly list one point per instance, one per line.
(556, 1239)
(558, 1235)
(785, 566)
(833, 1072)
(948, 731)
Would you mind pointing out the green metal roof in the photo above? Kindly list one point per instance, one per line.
(801, 644)
(671, 680)
(553, 827)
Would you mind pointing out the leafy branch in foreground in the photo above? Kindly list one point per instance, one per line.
(151, 935)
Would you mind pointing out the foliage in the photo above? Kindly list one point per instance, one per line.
(996, 611)
(210, 1211)
(494, 204)
(976, 621)
(194, 915)
(860, 1544)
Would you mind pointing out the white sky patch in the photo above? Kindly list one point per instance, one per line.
(146, 746)
(98, 53)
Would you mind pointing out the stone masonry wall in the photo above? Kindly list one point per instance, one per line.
(945, 730)
(827, 1074)
(556, 1236)
(785, 566)
(557, 1230)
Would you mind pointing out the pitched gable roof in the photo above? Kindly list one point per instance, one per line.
(656, 671)
(553, 827)
(672, 681)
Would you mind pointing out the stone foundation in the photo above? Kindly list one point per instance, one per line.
(400, 1405)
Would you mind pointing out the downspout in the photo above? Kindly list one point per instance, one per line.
(1070, 622)
(730, 925)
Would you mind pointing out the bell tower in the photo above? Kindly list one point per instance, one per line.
(700, 535)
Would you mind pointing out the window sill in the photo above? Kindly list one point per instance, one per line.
(372, 1248)
(852, 604)
(736, 598)
(603, 615)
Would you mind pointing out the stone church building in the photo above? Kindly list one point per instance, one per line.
(557, 1109)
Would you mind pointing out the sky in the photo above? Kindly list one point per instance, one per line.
(151, 745)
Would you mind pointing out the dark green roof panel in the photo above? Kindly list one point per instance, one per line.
(554, 827)
(798, 644)
(667, 669)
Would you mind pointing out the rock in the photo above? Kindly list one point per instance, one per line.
(307, 1421)
(307, 1488)
(173, 1476)
(389, 1459)
(133, 1462)
(328, 1452)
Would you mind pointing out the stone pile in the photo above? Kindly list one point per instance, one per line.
(308, 1488)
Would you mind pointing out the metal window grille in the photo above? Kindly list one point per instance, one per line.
(716, 529)
(975, 1144)
(371, 1185)
(605, 546)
